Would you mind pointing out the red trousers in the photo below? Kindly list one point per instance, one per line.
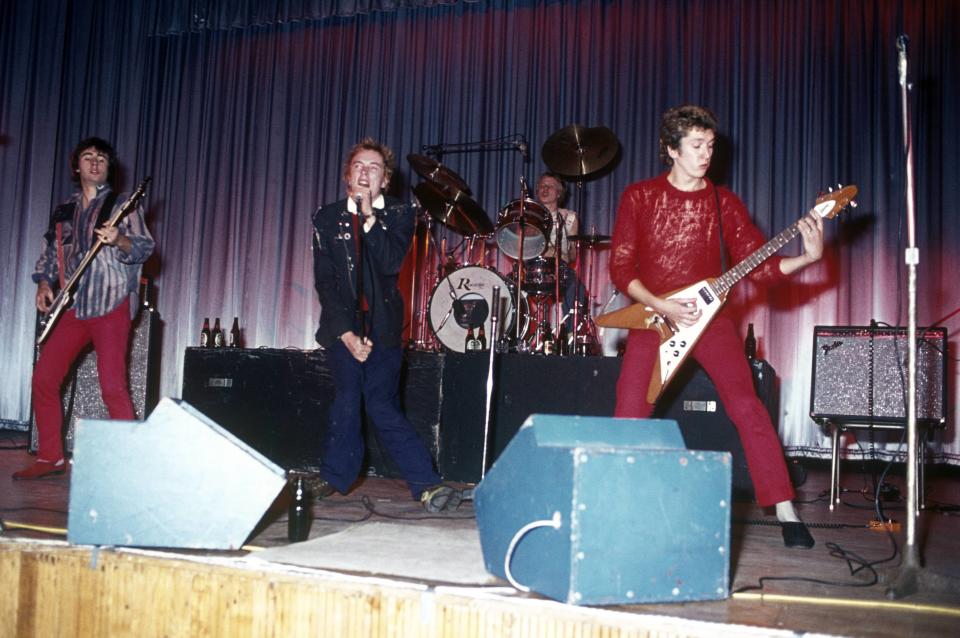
(720, 352)
(110, 335)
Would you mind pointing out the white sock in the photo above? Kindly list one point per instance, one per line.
(786, 513)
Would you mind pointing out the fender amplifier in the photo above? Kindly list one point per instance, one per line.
(860, 374)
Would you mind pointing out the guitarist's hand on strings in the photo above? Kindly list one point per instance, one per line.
(811, 231)
(111, 236)
(681, 311)
(45, 296)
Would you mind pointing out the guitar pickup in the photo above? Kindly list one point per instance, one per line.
(706, 295)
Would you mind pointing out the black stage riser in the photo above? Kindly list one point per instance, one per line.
(278, 402)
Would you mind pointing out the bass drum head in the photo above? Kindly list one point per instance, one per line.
(462, 300)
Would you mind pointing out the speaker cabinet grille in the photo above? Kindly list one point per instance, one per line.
(860, 374)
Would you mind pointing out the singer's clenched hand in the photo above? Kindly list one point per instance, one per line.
(359, 348)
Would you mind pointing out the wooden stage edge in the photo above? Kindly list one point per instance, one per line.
(51, 588)
(111, 592)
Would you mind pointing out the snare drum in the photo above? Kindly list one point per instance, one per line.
(536, 229)
(538, 276)
(462, 300)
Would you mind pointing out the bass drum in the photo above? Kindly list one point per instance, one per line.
(462, 300)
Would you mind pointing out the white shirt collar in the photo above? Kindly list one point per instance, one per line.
(378, 203)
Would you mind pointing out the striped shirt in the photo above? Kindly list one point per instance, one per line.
(113, 275)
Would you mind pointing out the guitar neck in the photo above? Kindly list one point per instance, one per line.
(118, 215)
(727, 280)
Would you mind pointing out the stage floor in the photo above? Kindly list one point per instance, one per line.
(830, 600)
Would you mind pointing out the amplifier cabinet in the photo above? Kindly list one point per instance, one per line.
(860, 374)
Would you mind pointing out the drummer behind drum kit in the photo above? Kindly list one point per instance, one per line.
(459, 307)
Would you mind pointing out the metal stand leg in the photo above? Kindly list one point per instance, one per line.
(835, 467)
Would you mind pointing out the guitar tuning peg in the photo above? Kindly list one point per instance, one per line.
(829, 189)
(853, 203)
(839, 186)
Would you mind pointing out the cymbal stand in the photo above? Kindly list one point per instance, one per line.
(581, 199)
(557, 310)
(520, 264)
(588, 296)
(419, 280)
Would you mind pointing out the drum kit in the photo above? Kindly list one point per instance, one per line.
(453, 300)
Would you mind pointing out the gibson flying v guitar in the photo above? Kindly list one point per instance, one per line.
(676, 341)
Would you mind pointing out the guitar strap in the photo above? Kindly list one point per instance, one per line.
(60, 214)
(65, 212)
(107, 208)
(723, 251)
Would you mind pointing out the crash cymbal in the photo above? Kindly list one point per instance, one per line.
(431, 169)
(577, 151)
(590, 240)
(454, 209)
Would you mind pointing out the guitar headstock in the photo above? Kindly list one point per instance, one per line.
(831, 203)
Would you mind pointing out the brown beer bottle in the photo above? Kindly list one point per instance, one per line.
(205, 333)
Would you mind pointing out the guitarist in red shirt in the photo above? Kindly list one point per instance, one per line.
(667, 236)
(104, 301)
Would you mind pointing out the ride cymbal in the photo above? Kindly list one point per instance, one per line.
(577, 151)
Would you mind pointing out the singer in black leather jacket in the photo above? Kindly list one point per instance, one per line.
(365, 364)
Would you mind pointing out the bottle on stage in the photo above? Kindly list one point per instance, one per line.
(750, 344)
(235, 333)
(217, 334)
(471, 344)
(482, 338)
(205, 333)
(298, 520)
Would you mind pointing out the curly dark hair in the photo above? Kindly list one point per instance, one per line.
(102, 146)
(679, 121)
(370, 144)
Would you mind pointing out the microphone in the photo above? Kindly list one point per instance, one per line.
(902, 40)
(522, 147)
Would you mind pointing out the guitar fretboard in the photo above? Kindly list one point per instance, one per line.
(727, 280)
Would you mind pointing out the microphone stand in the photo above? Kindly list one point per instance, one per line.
(360, 257)
(494, 336)
(509, 143)
(911, 576)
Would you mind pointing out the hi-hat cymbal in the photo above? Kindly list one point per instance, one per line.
(454, 209)
(590, 240)
(577, 151)
(431, 169)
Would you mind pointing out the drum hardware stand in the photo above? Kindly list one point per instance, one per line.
(556, 283)
(420, 279)
(578, 152)
(518, 342)
(494, 339)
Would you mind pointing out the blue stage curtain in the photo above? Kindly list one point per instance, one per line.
(242, 113)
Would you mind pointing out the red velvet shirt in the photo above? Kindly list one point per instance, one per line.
(668, 238)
